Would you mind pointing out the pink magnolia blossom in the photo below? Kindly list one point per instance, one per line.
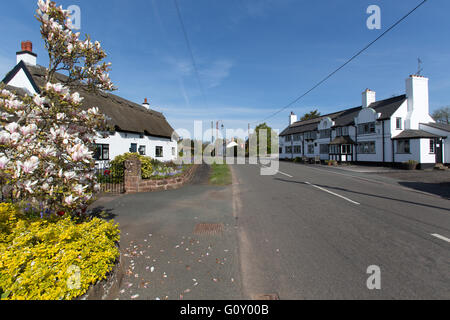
(3, 162)
(70, 175)
(12, 127)
(80, 152)
(30, 129)
(39, 100)
(31, 165)
(28, 186)
(70, 200)
(5, 137)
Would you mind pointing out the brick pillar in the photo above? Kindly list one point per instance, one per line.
(132, 174)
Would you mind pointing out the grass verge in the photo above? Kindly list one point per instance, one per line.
(220, 175)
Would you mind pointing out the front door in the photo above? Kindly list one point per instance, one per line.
(439, 151)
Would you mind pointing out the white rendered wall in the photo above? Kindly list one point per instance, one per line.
(120, 143)
(415, 149)
(445, 142)
(418, 102)
(27, 58)
(20, 80)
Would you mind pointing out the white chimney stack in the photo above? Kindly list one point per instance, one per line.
(146, 105)
(27, 55)
(368, 97)
(418, 101)
(292, 118)
(417, 93)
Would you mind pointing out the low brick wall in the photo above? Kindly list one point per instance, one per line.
(134, 182)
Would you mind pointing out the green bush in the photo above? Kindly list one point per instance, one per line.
(297, 160)
(55, 258)
(118, 165)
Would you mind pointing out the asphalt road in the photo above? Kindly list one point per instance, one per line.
(311, 232)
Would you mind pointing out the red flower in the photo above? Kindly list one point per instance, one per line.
(107, 172)
(61, 213)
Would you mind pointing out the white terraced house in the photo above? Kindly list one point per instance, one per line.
(389, 132)
(137, 128)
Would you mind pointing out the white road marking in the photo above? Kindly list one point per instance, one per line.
(334, 194)
(440, 237)
(287, 175)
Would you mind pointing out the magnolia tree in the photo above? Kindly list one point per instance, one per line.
(47, 140)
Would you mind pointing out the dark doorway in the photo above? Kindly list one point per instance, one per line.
(439, 158)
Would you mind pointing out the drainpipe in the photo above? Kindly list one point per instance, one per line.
(393, 154)
(356, 141)
(384, 160)
(292, 147)
(303, 144)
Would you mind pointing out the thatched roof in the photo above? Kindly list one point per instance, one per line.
(122, 114)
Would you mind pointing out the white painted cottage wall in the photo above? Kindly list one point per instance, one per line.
(120, 143)
(414, 146)
(446, 142)
(20, 80)
(425, 155)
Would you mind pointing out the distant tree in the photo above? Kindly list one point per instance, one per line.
(442, 115)
(272, 137)
(311, 115)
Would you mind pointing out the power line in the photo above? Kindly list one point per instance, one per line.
(188, 44)
(345, 64)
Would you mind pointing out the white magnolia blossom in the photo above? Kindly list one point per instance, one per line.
(46, 152)
(31, 165)
(3, 162)
(12, 127)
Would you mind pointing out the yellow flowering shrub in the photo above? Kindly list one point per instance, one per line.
(53, 259)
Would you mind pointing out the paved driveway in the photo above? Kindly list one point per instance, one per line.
(163, 257)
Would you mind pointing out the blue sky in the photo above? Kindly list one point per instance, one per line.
(253, 56)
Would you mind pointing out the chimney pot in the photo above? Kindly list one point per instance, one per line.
(27, 46)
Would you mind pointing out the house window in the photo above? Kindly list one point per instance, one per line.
(368, 147)
(297, 137)
(432, 146)
(366, 128)
(311, 135)
(142, 150)
(345, 131)
(101, 152)
(174, 151)
(281, 150)
(159, 152)
(310, 148)
(288, 138)
(324, 149)
(338, 132)
(334, 149)
(346, 149)
(325, 134)
(398, 123)
(288, 149)
(133, 148)
(403, 146)
(297, 149)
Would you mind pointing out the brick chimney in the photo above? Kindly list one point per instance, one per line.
(26, 54)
